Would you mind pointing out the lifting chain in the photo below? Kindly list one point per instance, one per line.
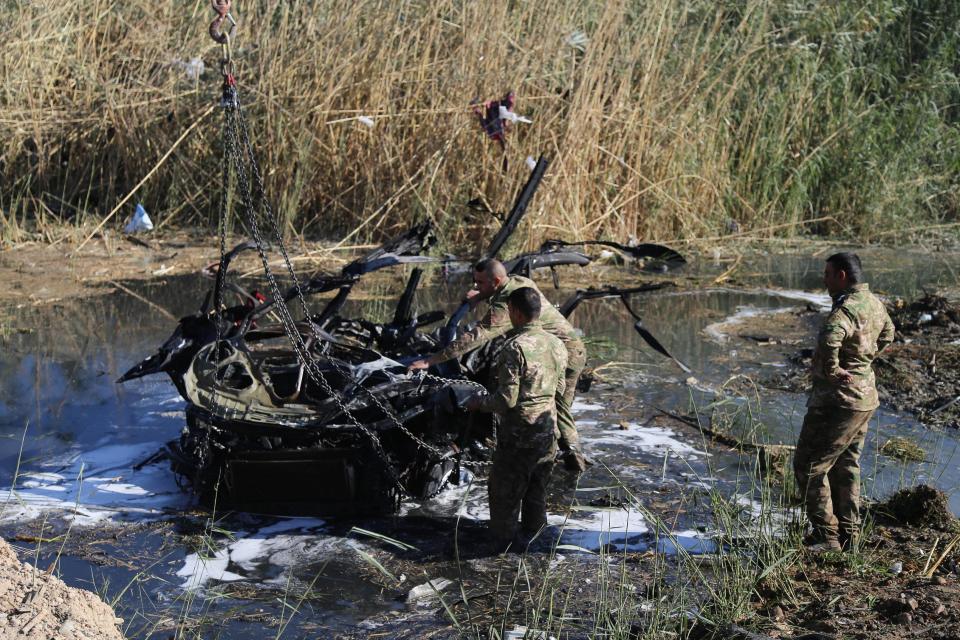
(235, 132)
(238, 151)
(237, 144)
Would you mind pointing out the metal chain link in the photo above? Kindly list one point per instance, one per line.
(235, 132)
(234, 118)
(272, 219)
(236, 135)
(222, 232)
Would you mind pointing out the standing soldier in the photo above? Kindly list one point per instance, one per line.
(529, 378)
(842, 400)
(495, 286)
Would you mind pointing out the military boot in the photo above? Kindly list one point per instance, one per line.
(818, 542)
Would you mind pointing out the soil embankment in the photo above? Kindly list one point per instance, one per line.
(35, 604)
(904, 574)
(42, 273)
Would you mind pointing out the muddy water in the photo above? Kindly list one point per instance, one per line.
(80, 449)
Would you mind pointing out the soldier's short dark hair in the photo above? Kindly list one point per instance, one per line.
(490, 266)
(850, 263)
(526, 300)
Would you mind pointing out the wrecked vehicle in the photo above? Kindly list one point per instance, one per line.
(318, 414)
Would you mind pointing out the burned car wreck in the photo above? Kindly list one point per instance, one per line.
(319, 414)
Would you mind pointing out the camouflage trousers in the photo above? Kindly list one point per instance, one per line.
(827, 469)
(517, 486)
(576, 360)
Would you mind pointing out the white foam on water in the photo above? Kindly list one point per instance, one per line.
(719, 331)
(644, 438)
(93, 487)
(286, 545)
(123, 487)
(581, 406)
(36, 484)
(586, 529)
(692, 542)
(466, 500)
(592, 530)
(821, 300)
(198, 570)
(44, 477)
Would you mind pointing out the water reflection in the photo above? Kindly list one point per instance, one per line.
(84, 434)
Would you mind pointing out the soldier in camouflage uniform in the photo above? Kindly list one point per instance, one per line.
(842, 400)
(529, 377)
(495, 286)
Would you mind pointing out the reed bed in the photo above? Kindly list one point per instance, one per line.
(665, 120)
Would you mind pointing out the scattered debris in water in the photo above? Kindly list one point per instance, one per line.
(920, 372)
(428, 593)
(321, 415)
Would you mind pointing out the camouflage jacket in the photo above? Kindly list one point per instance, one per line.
(496, 322)
(529, 374)
(857, 329)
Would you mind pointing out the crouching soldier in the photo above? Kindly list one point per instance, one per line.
(529, 375)
(842, 400)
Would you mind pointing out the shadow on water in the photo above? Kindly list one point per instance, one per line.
(82, 435)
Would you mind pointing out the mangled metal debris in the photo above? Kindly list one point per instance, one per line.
(320, 414)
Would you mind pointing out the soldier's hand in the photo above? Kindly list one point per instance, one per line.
(473, 298)
(575, 461)
(416, 365)
(844, 376)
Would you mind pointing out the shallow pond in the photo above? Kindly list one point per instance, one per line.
(80, 448)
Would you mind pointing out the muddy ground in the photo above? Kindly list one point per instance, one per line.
(42, 273)
(919, 373)
(901, 583)
(881, 591)
(855, 595)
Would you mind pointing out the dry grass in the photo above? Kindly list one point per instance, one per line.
(670, 119)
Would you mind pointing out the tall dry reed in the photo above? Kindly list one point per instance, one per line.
(665, 119)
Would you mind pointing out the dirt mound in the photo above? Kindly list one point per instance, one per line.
(35, 605)
(920, 506)
(937, 312)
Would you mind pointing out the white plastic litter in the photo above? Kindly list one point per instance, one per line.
(925, 318)
(510, 116)
(366, 121)
(531, 163)
(577, 40)
(423, 593)
(139, 222)
(522, 633)
(192, 68)
(896, 568)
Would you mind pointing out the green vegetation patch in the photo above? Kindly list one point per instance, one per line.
(903, 449)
